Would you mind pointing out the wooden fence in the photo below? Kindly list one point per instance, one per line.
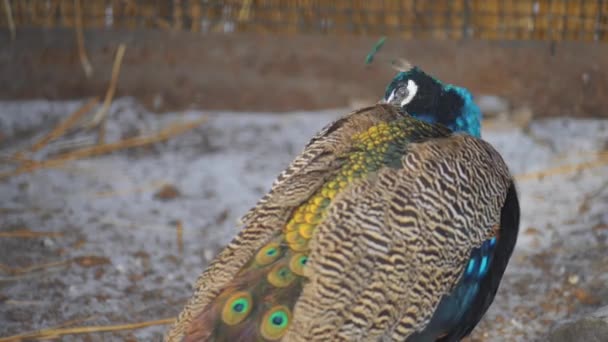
(555, 20)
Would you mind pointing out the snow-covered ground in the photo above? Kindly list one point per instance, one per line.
(108, 207)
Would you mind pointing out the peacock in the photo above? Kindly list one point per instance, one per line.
(395, 223)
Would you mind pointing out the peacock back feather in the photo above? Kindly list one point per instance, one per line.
(384, 227)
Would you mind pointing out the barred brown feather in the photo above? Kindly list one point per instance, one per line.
(392, 244)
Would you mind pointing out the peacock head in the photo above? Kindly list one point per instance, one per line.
(428, 99)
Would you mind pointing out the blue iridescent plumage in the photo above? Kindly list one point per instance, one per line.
(451, 105)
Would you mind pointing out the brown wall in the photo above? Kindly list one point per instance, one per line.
(288, 72)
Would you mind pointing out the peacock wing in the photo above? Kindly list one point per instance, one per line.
(236, 265)
(398, 241)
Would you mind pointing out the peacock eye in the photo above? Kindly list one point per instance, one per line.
(275, 323)
(237, 308)
(391, 97)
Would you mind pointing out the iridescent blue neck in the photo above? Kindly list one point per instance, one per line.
(465, 118)
(455, 109)
(469, 120)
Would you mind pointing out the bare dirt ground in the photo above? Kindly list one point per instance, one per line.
(104, 248)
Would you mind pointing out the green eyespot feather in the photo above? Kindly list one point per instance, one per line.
(281, 276)
(297, 263)
(237, 308)
(268, 254)
(275, 322)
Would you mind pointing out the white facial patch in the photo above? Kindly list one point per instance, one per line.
(390, 98)
(412, 88)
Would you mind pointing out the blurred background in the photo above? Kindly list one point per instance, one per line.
(282, 55)
(135, 133)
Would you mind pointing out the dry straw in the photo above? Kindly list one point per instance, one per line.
(56, 333)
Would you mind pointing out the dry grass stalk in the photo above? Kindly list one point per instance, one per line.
(6, 269)
(66, 8)
(69, 144)
(245, 11)
(50, 14)
(101, 133)
(178, 21)
(101, 149)
(33, 9)
(163, 24)
(75, 321)
(33, 268)
(179, 228)
(82, 52)
(82, 261)
(54, 333)
(69, 122)
(601, 160)
(195, 16)
(9, 19)
(28, 234)
(18, 157)
(115, 193)
(100, 115)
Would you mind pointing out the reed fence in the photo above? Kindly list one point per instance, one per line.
(554, 20)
